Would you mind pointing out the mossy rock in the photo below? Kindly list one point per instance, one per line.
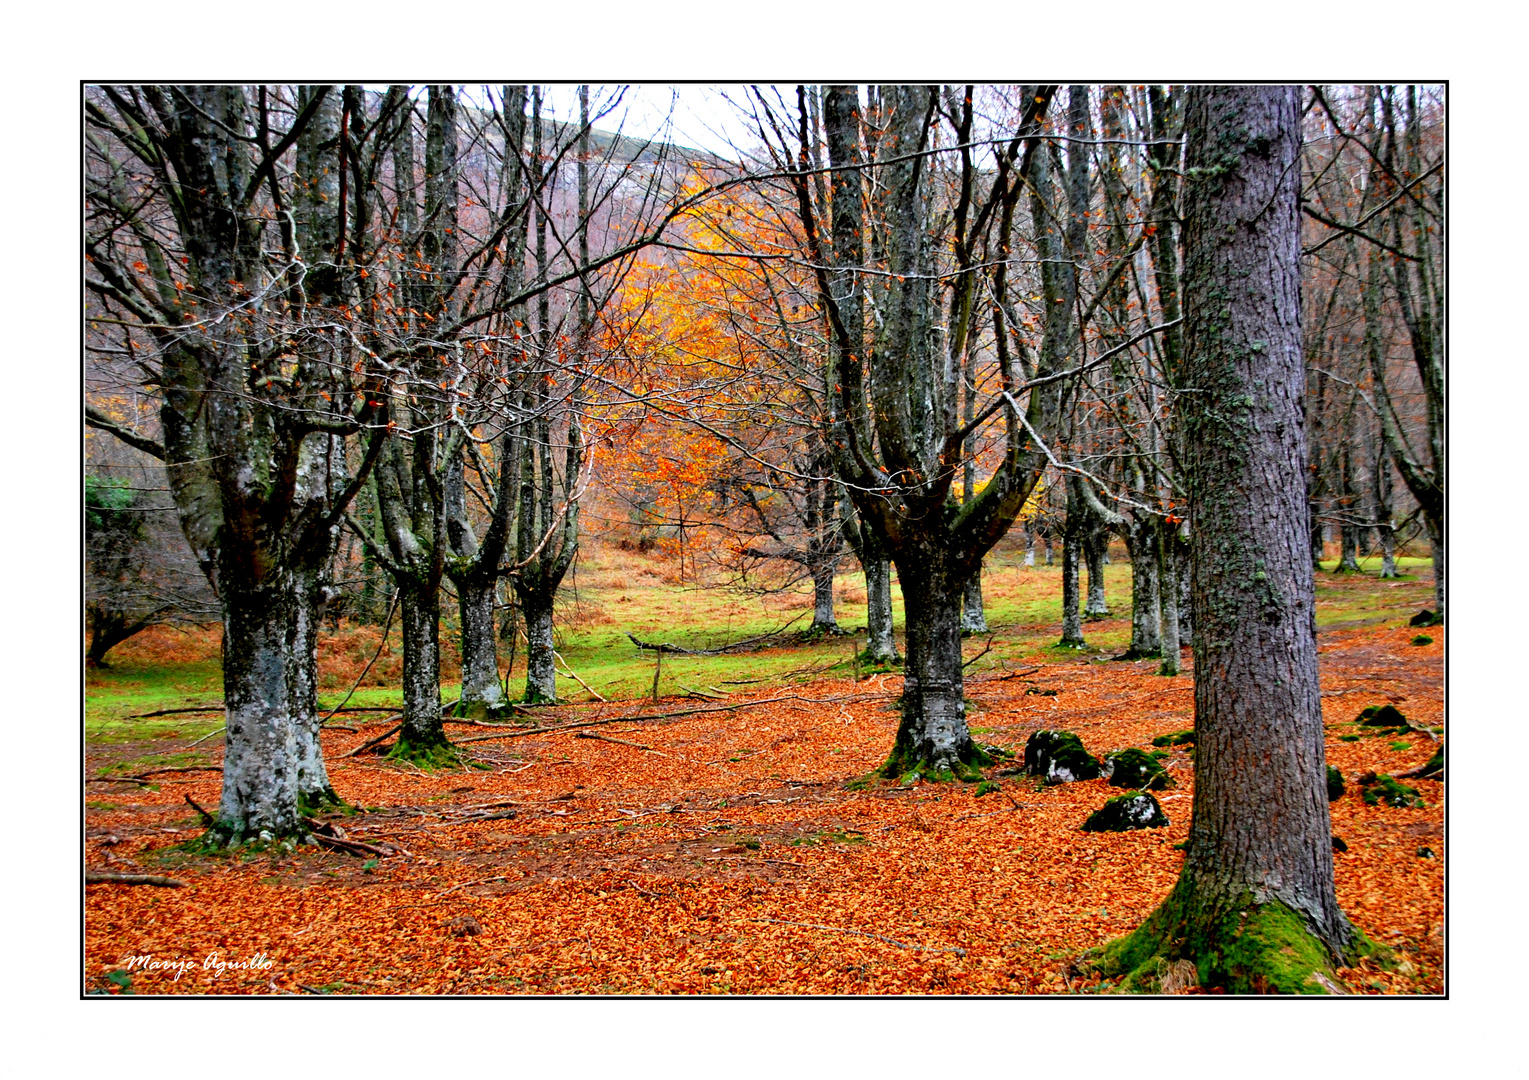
(1133, 810)
(1339, 845)
(1425, 618)
(985, 787)
(1334, 784)
(1433, 768)
(1059, 757)
(1389, 791)
(1176, 738)
(1382, 716)
(1422, 639)
(1135, 768)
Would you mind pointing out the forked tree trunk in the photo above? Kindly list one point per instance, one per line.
(260, 762)
(1254, 908)
(1146, 636)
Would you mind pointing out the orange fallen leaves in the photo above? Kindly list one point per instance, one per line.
(732, 859)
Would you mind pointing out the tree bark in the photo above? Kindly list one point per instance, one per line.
(541, 674)
(973, 620)
(932, 737)
(1146, 635)
(1168, 571)
(1255, 907)
(1096, 546)
(419, 610)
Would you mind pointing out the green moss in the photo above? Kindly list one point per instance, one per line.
(1422, 639)
(985, 787)
(904, 765)
(1348, 738)
(430, 756)
(1391, 792)
(1059, 757)
(1241, 947)
(1381, 716)
(1123, 813)
(1135, 768)
(1334, 784)
(1176, 738)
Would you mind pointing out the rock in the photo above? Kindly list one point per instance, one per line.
(1334, 784)
(1175, 738)
(1059, 756)
(1426, 853)
(1133, 810)
(1338, 844)
(1425, 618)
(1136, 769)
(1388, 791)
(1382, 716)
(463, 926)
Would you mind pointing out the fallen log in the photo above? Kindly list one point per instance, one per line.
(107, 877)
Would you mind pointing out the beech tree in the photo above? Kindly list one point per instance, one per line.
(1254, 908)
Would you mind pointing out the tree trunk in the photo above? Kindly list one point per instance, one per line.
(1186, 605)
(1146, 638)
(1072, 621)
(260, 763)
(973, 621)
(1436, 549)
(1096, 545)
(1168, 572)
(482, 693)
(932, 737)
(1255, 907)
(541, 674)
(420, 613)
(880, 645)
(823, 598)
(308, 601)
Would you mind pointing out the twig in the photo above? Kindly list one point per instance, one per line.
(207, 819)
(681, 650)
(571, 674)
(867, 933)
(187, 768)
(985, 649)
(209, 735)
(107, 877)
(215, 707)
(380, 738)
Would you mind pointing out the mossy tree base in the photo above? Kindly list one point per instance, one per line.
(317, 802)
(907, 765)
(1238, 946)
(428, 754)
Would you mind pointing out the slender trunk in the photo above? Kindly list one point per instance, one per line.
(932, 734)
(260, 765)
(1029, 547)
(1186, 607)
(541, 674)
(1316, 536)
(823, 598)
(419, 611)
(1146, 637)
(309, 598)
(1050, 560)
(482, 692)
(1436, 548)
(973, 621)
(880, 645)
(1095, 546)
(1168, 572)
(1072, 621)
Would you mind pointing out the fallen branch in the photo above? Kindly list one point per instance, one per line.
(867, 933)
(207, 819)
(215, 707)
(637, 719)
(379, 739)
(107, 877)
(571, 674)
(745, 643)
(985, 650)
(210, 734)
(156, 772)
(607, 738)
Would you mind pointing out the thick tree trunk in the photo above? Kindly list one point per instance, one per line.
(1146, 637)
(973, 620)
(541, 674)
(1254, 908)
(932, 737)
(482, 692)
(419, 612)
(260, 763)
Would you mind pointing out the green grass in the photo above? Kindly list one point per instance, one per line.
(615, 592)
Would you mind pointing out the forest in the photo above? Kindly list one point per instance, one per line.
(955, 539)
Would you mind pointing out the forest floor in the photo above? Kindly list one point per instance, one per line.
(704, 846)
